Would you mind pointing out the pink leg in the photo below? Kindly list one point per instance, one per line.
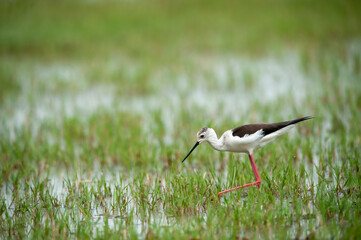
(256, 174)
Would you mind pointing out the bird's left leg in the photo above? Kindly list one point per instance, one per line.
(256, 174)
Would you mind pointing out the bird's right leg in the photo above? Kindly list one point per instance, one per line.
(255, 171)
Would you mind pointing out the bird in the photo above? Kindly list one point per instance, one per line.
(245, 139)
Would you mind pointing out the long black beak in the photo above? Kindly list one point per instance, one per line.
(194, 147)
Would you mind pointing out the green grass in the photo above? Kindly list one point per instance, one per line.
(167, 29)
(100, 102)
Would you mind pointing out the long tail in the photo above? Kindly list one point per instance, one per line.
(274, 130)
(299, 120)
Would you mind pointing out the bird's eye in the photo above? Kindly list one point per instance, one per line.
(202, 136)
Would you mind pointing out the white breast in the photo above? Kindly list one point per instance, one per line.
(244, 144)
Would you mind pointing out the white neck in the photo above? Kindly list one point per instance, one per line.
(216, 143)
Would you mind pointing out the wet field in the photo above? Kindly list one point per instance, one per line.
(97, 115)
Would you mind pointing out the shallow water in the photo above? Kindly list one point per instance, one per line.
(222, 95)
(217, 90)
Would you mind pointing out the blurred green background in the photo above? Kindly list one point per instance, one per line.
(165, 33)
(165, 30)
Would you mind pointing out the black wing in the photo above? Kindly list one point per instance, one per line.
(267, 128)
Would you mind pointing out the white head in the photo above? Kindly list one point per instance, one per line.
(204, 134)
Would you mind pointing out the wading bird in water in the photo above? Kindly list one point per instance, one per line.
(245, 139)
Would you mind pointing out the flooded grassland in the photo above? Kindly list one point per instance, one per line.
(94, 162)
(91, 142)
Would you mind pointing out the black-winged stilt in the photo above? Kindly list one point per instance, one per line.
(245, 139)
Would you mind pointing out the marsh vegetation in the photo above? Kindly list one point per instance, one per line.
(100, 101)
